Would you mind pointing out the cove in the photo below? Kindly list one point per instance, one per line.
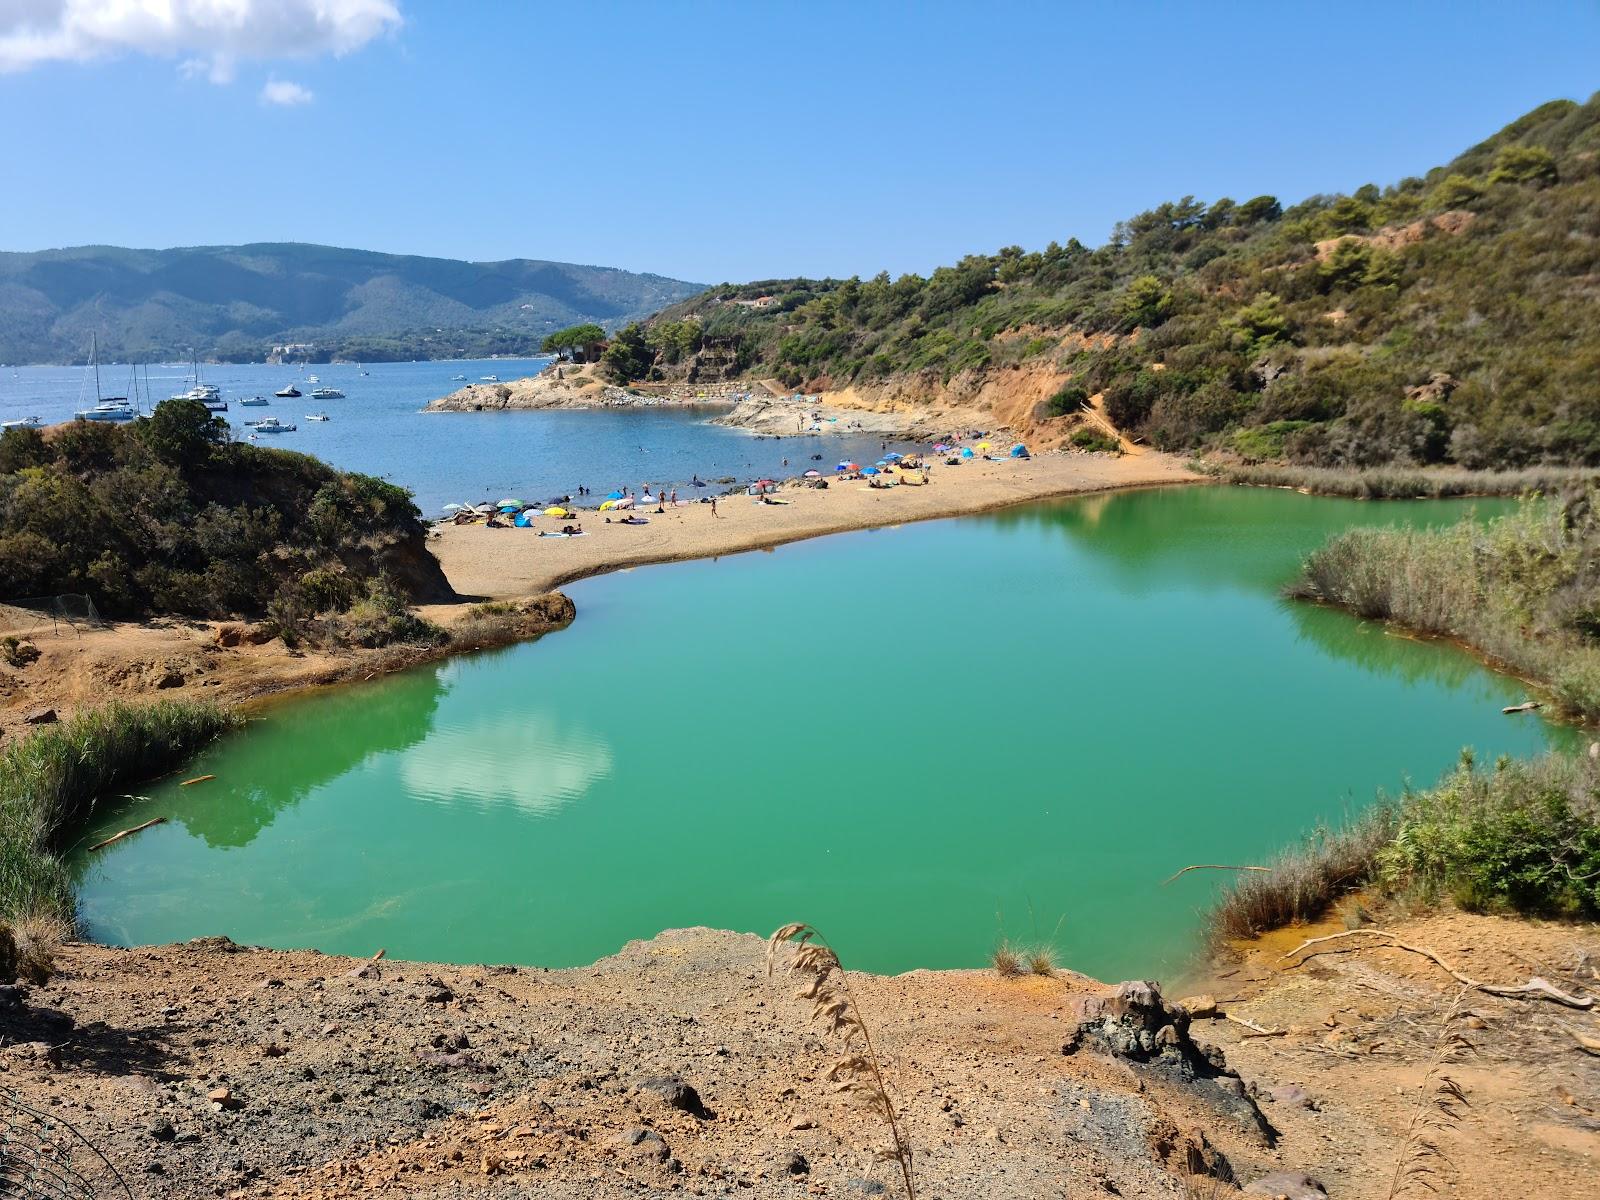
(921, 739)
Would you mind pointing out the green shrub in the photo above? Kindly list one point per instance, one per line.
(1093, 441)
(1070, 399)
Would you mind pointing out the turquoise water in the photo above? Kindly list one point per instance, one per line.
(920, 739)
(466, 457)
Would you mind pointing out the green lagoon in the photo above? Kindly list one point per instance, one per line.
(921, 739)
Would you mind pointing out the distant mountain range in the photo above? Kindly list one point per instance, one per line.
(236, 303)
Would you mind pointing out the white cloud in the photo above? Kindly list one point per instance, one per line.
(286, 93)
(211, 35)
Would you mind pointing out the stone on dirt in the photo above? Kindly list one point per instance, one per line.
(675, 1093)
(1287, 1185)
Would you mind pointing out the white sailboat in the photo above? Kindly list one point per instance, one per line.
(106, 408)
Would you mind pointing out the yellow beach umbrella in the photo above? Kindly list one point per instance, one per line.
(983, 445)
(557, 512)
(605, 504)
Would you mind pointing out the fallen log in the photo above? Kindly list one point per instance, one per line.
(1535, 987)
(1255, 1030)
(1525, 706)
(117, 837)
(1210, 867)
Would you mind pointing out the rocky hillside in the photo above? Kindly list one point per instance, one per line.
(1451, 316)
(237, 302)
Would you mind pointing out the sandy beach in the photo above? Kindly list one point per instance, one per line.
(486, 563)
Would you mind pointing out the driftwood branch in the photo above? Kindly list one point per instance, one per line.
(1255, 1030)
(196, 779)
(1525, 706)
(1535, 987)
(117, 837)
(367, 969)
(1210, 867)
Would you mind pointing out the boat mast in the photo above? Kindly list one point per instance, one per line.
(94, 356)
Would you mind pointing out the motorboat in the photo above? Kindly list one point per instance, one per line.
(491, 379)
(288, 393)
(273, 425)
(312, 379)
(254, 402)
(215, 405)
(317, 416)
(24, 423)
(453, 378)
(326, 393)
(207, 393)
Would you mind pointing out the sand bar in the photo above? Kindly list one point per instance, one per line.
(500, 563)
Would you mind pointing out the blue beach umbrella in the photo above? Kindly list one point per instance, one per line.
(613, 495)
(869, 470)
(893, 456)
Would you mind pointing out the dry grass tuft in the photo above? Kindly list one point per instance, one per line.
(1423, 1162)
(857, 1073)
(37, 939)
(1041, 961)
(1007, 961)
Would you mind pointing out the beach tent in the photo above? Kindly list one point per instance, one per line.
(613, 495)
(1019, 451)
(625, 502)
(524, 520)
(966, 452)
(605, 504)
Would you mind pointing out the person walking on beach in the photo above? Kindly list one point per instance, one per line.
(714, 511)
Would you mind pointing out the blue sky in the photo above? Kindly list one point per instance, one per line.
(732, 141)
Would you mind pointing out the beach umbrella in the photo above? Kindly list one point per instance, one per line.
(766, 483)
(512, 504)
(966, 452)
(625, 502)
(847, 466)
(940, 448)
(983, 445)
(605, 504)
(893, 455)
(556, 511)
(813, 475)
(870, 471)
(454, 507)
(485, 509)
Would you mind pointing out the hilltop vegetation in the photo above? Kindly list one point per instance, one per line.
(166, 515)
(235, 302)
(1448, 317)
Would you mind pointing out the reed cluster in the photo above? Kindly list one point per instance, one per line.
(51, 782)
(1410, 483)
(1518, 837)
(1522, 589)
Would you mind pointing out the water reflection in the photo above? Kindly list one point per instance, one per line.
(1232, 537)
(528, 760)
(280, 760)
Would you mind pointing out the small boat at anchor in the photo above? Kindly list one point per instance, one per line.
(22, 423)
(272, 425)
(326, 393)
(317, 417)
(254, 402)
(288, 393)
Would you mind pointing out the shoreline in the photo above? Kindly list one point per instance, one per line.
(499, 564)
